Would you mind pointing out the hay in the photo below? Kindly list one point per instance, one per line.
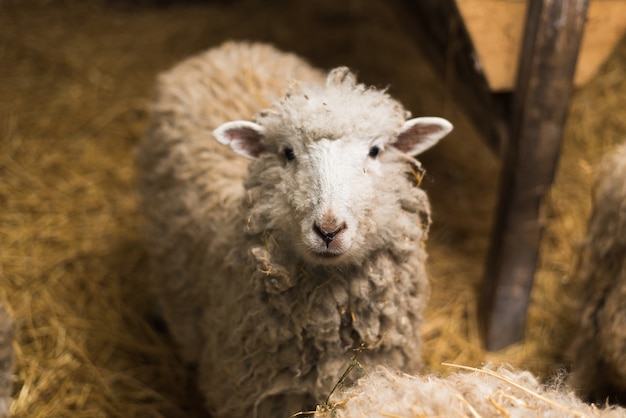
(6, 359)
(76, 78)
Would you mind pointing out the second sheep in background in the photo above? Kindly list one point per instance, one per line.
(599, 369)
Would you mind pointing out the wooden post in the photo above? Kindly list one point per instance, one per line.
(550, 48)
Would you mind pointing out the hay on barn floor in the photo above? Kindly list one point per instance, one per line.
(76, 80)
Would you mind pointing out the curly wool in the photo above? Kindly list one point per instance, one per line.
(599, 370)
(301, 321)
(190, 187)
(365, 112)
(482, 393)
(270, 331)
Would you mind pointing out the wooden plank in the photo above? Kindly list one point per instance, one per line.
(551, 43)
(606, 24)
(496, 29)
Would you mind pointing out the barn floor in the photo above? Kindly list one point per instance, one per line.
(75, 82)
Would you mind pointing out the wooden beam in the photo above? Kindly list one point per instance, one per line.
(550, 48)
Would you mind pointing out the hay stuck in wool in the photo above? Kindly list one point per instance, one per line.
(76, 82)
(486, 392)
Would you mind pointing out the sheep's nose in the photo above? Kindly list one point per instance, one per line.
(328, 231)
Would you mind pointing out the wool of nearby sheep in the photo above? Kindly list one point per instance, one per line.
(6, 360)
(599, 369)
(486, 392)
(191, 187)
(269, 269)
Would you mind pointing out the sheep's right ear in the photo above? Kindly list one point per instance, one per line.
(241, 136)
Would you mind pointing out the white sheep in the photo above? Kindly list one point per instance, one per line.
(269, 269)
(485, 392)
(599, 369)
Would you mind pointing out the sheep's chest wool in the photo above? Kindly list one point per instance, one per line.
(302, 240)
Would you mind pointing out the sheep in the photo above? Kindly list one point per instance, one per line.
(488, 392)
(6, 360)
(270, 268)
(599, 368)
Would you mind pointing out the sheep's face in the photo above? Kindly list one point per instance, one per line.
(332, 186)
(333, 166)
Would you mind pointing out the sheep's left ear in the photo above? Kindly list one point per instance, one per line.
(419, 134)
(242, 136)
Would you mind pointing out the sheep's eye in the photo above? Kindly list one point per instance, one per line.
(374, 151)
(289, 155)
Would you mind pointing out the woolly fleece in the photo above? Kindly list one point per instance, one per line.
(478, 394)
(599, 369)
(269, 330)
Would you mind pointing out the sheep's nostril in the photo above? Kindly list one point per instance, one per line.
(328, 234)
